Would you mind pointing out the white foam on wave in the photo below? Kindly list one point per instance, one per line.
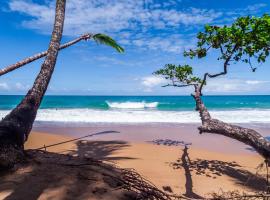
(146, 116)
(132, 105)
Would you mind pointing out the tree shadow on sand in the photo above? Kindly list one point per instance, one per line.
(185, 164)
(101, 150)
(215, 168)
(211, 169)
(185, 161)
(76, 176)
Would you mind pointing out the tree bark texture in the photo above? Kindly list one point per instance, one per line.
(16, 126)
(245, 135)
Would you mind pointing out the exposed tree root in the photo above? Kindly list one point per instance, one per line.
(236, 195)
(117, 178)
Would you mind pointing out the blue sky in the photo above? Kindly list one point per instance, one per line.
(152, 32)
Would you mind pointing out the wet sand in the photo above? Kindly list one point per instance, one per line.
(187, 133)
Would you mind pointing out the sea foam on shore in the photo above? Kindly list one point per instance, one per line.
(146, 116)
(144, 109)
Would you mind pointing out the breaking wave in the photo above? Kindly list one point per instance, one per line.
(132, 105)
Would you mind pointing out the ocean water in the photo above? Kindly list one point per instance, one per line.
(144, 109)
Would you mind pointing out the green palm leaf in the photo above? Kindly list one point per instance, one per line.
(104, 39)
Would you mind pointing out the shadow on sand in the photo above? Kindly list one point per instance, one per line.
(215, 168)
(184, 163)
(189, 183)
(100, 150)
(64, 178)
(211, 169)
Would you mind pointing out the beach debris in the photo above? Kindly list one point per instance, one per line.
(102, 180)
(167, 189)
(238, 195)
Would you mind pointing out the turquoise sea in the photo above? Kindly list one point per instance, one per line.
(139, 109)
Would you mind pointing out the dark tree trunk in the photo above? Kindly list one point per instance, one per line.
(37, 56)
(245, 135)
(16, 126)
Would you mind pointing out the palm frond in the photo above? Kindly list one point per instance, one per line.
(104, 39)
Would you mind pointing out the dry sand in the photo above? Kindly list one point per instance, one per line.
(194, 171)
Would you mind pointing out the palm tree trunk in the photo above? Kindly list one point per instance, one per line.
(37, 56)
(16, 126)
(245, 135)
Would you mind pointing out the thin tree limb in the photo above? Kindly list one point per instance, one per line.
(224, 72)
(176, 85)
(37, 56)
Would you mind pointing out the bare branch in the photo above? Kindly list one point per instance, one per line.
(176, 85)
(251, 66)
(221, 50)
(37, 56)
(225, 67)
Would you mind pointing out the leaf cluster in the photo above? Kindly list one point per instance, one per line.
(178, 74)
(247, 38)
(104, 39)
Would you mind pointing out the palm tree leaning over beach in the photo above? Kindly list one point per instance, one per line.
(16, 126)
(99, 38)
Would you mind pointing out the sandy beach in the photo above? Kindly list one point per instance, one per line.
(208, 163)
(134, 100)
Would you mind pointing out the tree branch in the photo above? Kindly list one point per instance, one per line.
(245, 135)
(37, 56)
(225, 67)
(175, 85)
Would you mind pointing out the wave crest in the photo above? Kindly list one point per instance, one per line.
(132, 105)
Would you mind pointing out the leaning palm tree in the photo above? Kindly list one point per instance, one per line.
(99, 38)
(16, 126)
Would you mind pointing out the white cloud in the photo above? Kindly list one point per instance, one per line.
(231, 15)
(110, 15)
(13, 87)
(4, 86)
(256, 7)
(147, 90)
(118, 15)
(255, 82)
(192, 16)
(132, 20)
(152, 81)
(21, 87)
(172, 43)
(225, 85)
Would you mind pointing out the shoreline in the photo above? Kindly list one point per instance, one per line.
(147, 132)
